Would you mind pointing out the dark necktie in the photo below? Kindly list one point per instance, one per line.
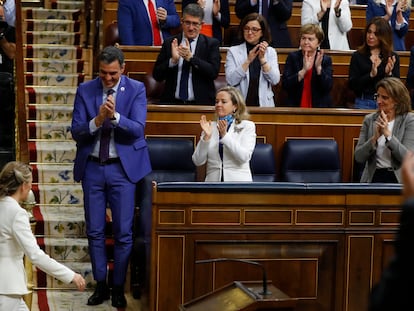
(105, 136)
(185, 73)
(265, 8)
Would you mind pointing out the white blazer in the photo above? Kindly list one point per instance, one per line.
(237, 77)
(238, 147)
(338, 27)
(17, 239)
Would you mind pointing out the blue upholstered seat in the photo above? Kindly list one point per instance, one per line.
(310, 161)
(262, 163)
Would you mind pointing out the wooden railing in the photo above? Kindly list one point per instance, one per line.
(22, 149)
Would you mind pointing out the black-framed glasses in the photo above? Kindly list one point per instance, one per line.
(189, 23)
(251, 29)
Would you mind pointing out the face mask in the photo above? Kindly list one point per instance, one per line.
(229, 118)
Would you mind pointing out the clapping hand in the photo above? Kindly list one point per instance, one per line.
(390, 65)
(184, 50)
(376, 61)
(206, 127)
(382, 124)
(337, 4)
(318, 61)
(222, 127)
(175, 56)
(324, 5)
(262, 47)
(389, 7)
(253, 53)
(308, 60)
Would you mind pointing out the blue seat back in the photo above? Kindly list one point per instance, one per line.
(263, 164)
(310, 161)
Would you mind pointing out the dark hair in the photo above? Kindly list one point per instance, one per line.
(237, 99)
(310, 29)
(12, 176)
(384, 34)
(195, 10)
(110, 54)
(396, 89)
(266, 36)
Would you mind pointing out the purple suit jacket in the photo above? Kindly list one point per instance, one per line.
(130, 142)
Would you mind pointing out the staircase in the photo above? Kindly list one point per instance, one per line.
(55, 63)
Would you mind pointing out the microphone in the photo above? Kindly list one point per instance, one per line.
(264, 291)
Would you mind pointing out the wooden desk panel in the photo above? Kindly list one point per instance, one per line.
(315, 255)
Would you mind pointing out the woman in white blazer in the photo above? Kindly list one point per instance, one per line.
(252, 66)
(338, 20)
(226, 145)
(17, 239)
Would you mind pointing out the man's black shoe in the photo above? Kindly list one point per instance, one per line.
(100, 295)
(118, 298)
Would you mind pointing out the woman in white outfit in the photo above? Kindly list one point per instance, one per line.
(334, 17)
(226, 145)
(252, 66)
(17, 240)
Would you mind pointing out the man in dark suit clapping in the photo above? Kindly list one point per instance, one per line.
(189, 63)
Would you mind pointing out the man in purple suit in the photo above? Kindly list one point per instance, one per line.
(108, 126)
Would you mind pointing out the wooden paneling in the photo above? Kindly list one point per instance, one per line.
(309, 247)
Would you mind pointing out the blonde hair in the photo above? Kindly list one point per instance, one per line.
(237, 100)
(12, 176)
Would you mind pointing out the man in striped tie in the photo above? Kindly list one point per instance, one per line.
(108, 126)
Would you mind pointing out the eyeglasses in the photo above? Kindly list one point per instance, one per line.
(383, 97)
(194, 24)
(252, 29)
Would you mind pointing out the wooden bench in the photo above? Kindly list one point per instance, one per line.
(140, 62)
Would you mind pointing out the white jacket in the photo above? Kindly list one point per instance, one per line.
(238, 147)
(338, 27)
(237, 77)
(17, 239)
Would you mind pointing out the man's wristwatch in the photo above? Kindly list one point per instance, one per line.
(388, 138)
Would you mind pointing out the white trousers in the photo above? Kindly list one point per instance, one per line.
(12, 303)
